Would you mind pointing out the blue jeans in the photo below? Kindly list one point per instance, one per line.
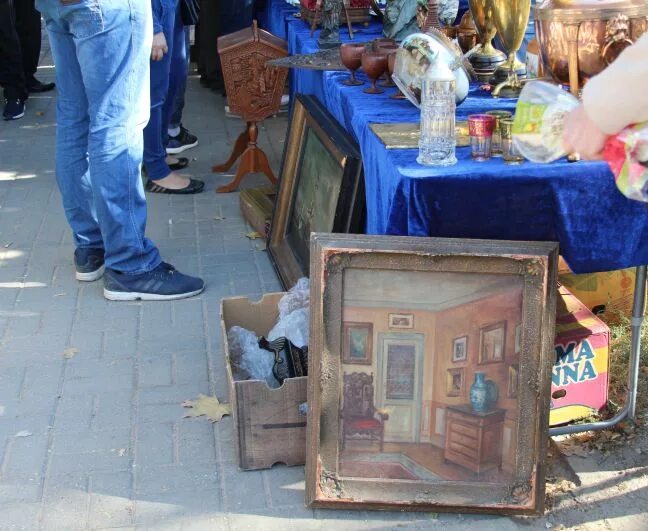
(176, 114)
(166, 76)
(101, 50)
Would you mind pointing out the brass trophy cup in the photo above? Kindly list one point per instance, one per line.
(511, 18)
(485, 59)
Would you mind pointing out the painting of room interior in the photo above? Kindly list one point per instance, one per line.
(438, 402)
(421, 377)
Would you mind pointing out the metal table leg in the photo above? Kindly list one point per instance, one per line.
(629, 408)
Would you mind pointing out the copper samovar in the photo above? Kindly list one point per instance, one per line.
(579, 38)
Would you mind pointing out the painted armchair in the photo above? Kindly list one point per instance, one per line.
(359, 415)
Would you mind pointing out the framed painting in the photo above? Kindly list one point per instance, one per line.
(358, 339)
(460, 349)
(321, 188)
(380, 457)
(513, 377)
(401, 320)
(492, 340)
(455, 382)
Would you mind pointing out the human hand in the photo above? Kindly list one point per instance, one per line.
(159, 47)
(581, 135)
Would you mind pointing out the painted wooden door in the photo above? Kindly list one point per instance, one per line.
(399, 385)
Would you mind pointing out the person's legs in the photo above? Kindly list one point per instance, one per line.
(175, 120)
(155, 131)
(104, 49)
(12, 78)
(28, 28)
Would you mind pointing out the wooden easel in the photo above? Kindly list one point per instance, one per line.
(253, 159)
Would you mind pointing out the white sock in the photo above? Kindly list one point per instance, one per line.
(174, 132)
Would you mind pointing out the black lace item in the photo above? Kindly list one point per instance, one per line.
(290, 361)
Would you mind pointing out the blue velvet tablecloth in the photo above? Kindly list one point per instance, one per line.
(277, 15)
(576, 204)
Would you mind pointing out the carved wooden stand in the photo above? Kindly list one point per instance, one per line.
(253, 159)
(254, 93)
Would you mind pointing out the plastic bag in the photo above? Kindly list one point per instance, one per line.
(249, 361)
(293, 321)
(627, 155)
(539, 121)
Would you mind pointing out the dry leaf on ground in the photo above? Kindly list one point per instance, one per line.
(70, 352)
(23, 433)
(254, 235)
(208, 406)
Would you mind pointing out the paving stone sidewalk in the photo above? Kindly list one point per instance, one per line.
(92, 434)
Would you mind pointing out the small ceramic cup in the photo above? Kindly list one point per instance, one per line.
(481, 127)
(510, 153)
(496, 147)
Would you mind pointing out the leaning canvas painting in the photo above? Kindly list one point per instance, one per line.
(428, 416)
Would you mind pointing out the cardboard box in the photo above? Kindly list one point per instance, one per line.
(268, 423)
(579, 385)
(600, 292)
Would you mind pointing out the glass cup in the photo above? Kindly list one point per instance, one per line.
(480, 128)
(496, 147)
(509, 151)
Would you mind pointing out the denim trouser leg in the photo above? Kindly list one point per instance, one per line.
(176, 116)
(164, 83)
(101, 51)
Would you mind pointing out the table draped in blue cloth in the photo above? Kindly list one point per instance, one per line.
(277, 15)
(576, 204)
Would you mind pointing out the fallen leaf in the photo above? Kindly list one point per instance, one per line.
(208, 406)
(23, 433)
(70, 352)
(7, 245)
(121, 452)
(254, 235)
(219, 218)
(40, 113)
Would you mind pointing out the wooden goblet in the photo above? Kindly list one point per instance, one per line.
(374, 65)
(351, 56)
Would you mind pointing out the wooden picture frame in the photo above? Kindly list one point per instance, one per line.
(344, 268)
(358, 343)
(321, 188)
(401, 320)
(492, 343)
(456, 382)
(460, 349)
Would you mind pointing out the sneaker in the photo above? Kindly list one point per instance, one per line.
(14, 109)
(184, 141)
(89, 263)
(164, 283)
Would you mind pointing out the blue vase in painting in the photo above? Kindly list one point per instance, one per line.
(483, 393)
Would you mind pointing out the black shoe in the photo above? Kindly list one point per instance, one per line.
(89, 263)
(194, 187)
(184, 141)
(36, 86)
(182, 163)
(164, 283)
(14, 109)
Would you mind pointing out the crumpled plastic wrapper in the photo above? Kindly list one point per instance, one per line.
(252, 363)
(249, 362)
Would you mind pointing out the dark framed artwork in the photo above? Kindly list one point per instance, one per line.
(460, 349)
(492, 341)
(321, 188)
(401, 320)
(450, 287)
(358, 343)
(455, 382)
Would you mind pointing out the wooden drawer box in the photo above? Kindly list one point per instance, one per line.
(268, 424)
(474, 440)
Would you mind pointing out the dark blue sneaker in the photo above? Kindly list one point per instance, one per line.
(164, 283)
(89, 263)
(14, 109)
(184, 141)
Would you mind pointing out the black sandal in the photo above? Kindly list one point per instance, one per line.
(194, 187)
(182, 163)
